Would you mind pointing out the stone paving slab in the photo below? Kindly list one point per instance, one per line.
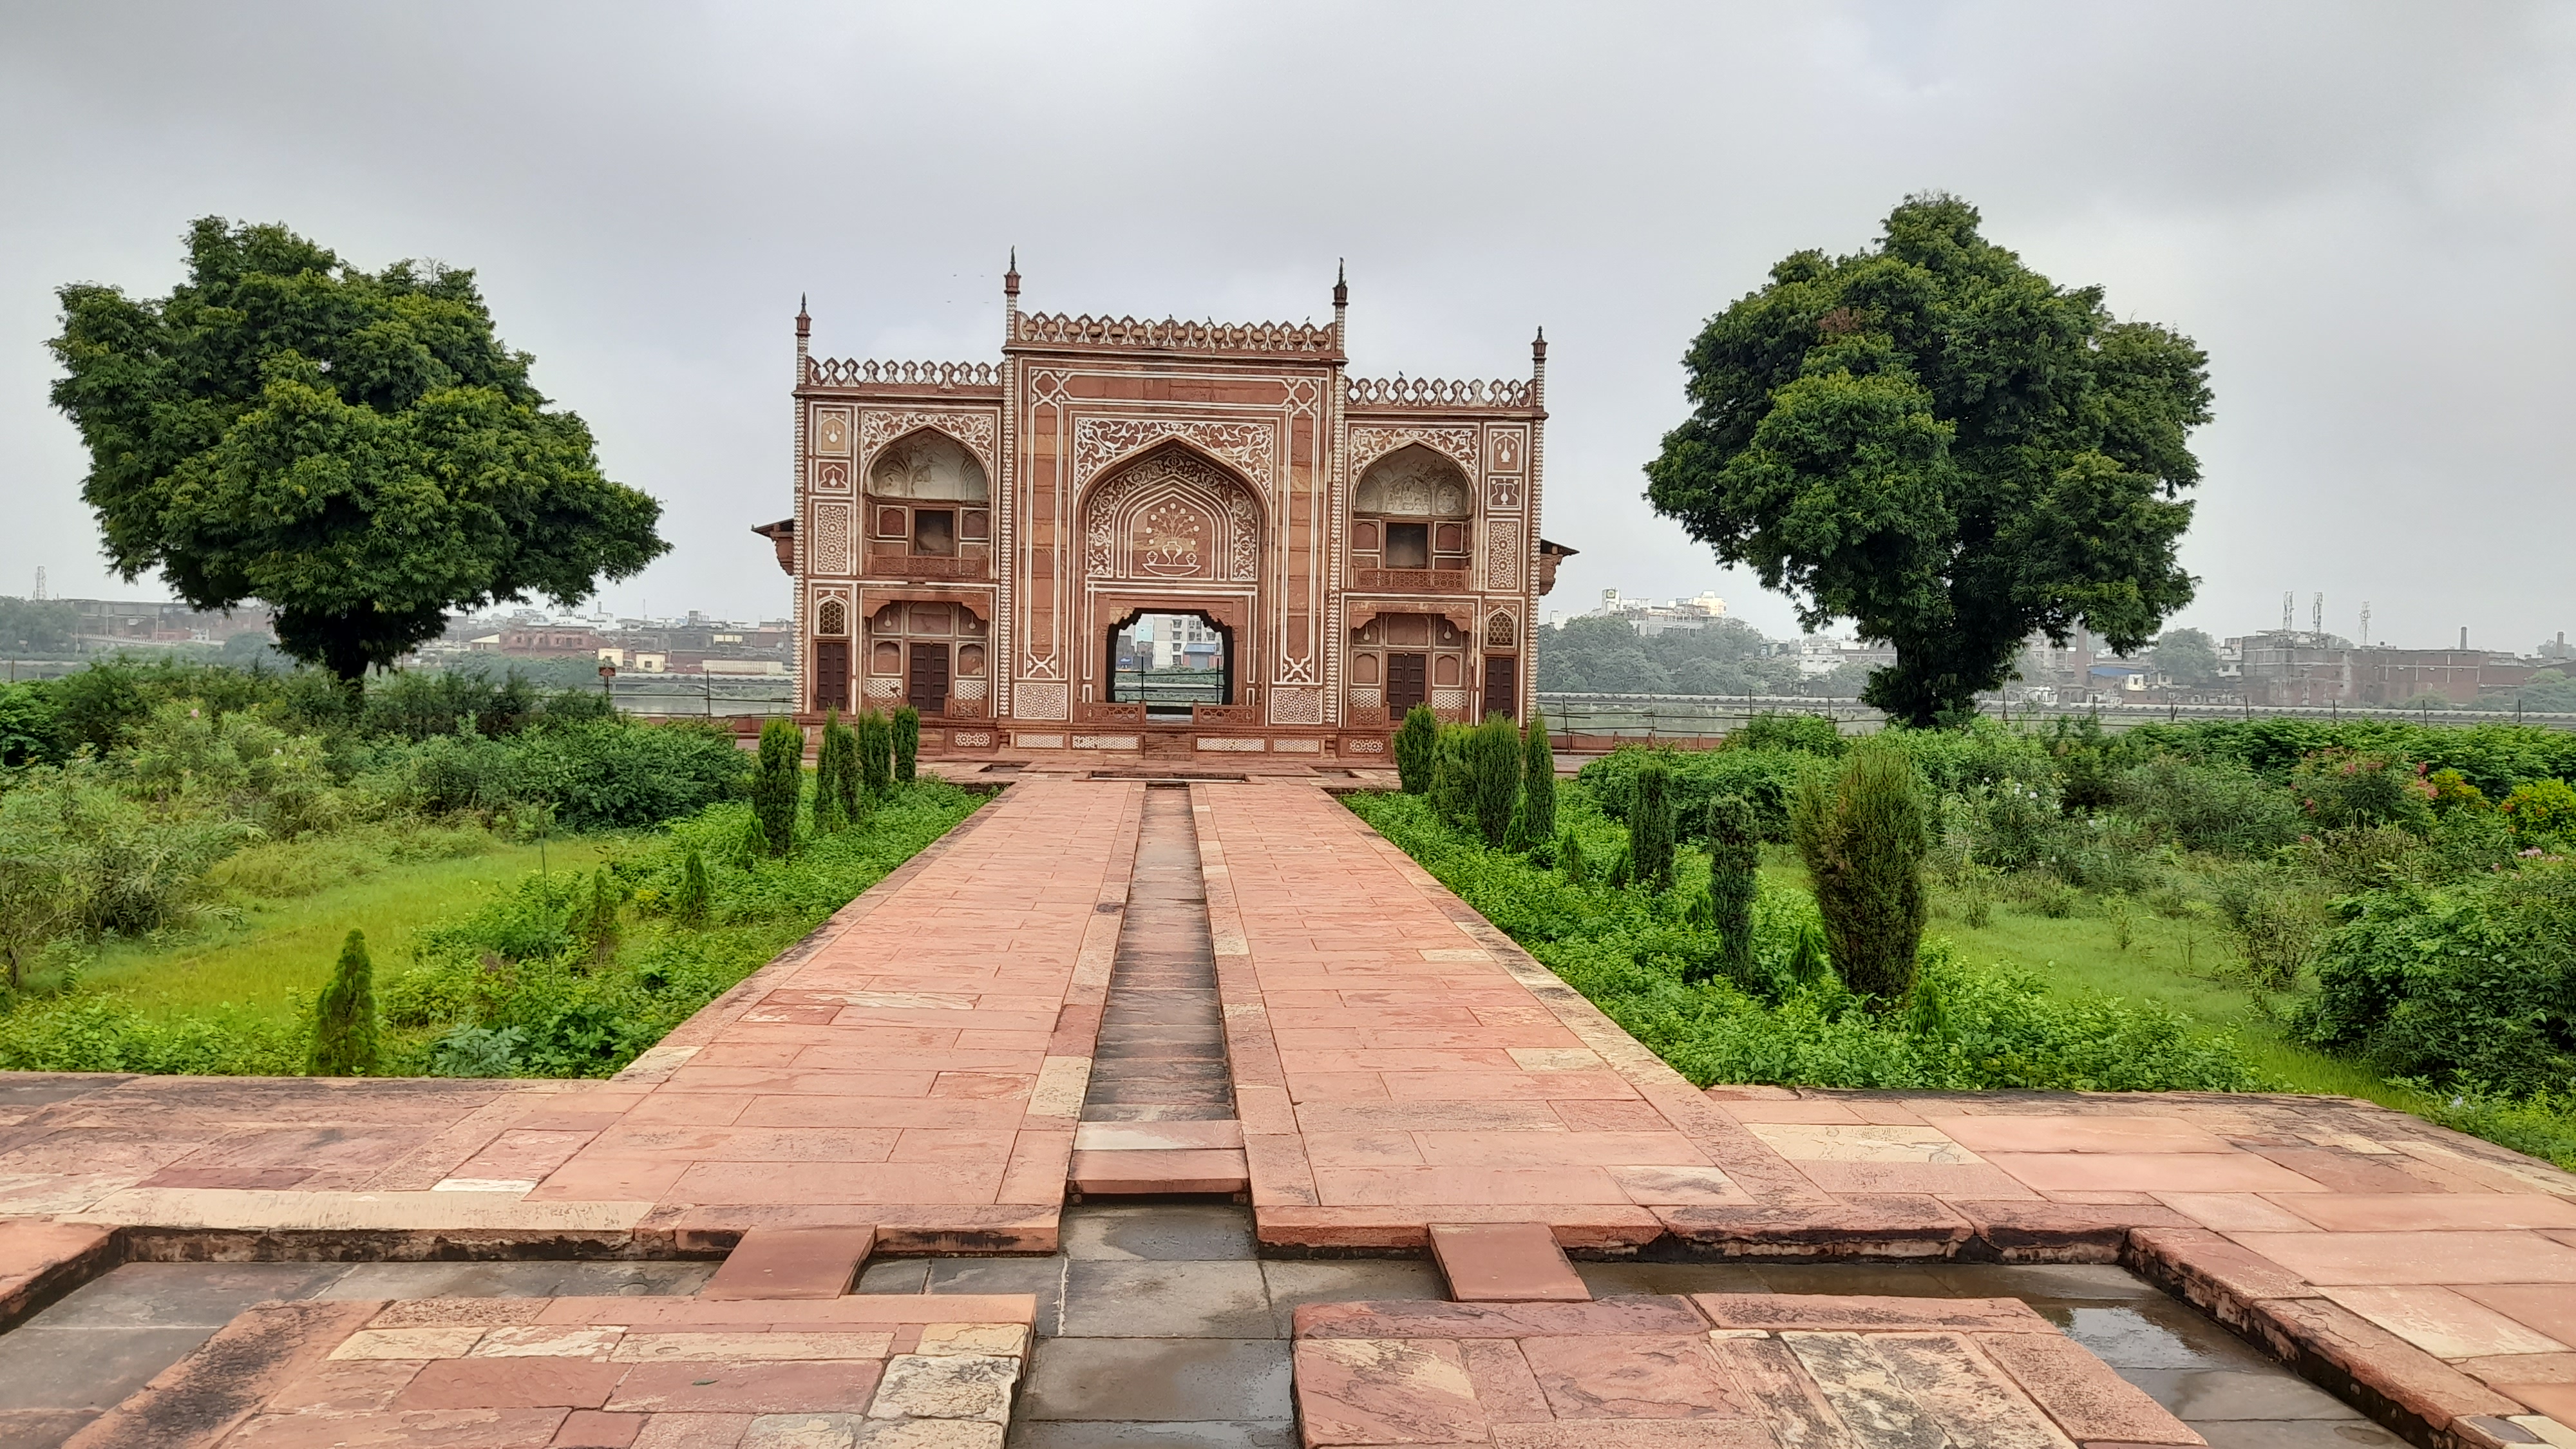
(1735, 1370)
(608, 1372)
(1400, 1062)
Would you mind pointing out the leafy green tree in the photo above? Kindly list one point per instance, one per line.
(1651, 836)
(2185, 656)
(778, 783)
(1734, 874)
(344, 1020)
(37, 626)
(1417, 749)
(831, 813)
(1863, 837)
(907, 743)
(1538, 779)
(357, 449)
(1934, 440)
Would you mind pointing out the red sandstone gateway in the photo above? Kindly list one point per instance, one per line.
(997, 544)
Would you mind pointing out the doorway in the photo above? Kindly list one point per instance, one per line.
(926, 689)
(1408, 682)
(1171, 662)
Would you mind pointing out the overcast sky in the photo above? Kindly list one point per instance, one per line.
(2362, 211)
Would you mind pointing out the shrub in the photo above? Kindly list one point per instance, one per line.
(2470, 983)
(1862, 838)
(1734, 880)
(1538, 779)
(907, 742)
(599, 927)
(1765, 779)
(344, 1019)
(1417, 749)
(1813, 734)
(831, 811)
(1571, 860)
(2542, 813)
(623, 775)
(2218, 806)
(876, 755)
(1452, 790)
(30, 734)
(689, 903)
(1650, 829)
(778, 783)
(2343, 789)
(101, 706)
(1493, 758)
(845, 780)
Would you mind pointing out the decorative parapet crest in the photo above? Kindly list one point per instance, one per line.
(1432, 392)
(1173, 335)
(842, 372)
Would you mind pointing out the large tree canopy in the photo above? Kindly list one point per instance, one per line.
(1939, 443)
(358, 450)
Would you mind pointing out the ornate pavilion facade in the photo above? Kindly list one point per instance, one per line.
(975, 538)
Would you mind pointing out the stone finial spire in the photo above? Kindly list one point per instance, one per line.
(1341, 298)
(1011, 298)
(804, 323)
(1538, 369)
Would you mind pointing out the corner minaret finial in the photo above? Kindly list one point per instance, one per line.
(1341, 298)
(1538, 369)
(1011, 299)
(804, 323)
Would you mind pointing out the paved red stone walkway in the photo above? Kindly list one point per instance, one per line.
(917, 1069)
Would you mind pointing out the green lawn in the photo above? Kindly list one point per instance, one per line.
(279, 913)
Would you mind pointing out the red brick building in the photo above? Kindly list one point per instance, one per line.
(972, 537)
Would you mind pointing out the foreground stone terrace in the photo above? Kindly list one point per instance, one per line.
(913, 1075)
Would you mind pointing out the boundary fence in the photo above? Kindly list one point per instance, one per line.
(1605, 720)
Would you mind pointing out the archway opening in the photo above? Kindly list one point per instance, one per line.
(1170, 662)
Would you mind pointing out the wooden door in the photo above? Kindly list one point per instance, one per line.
(929, 684)
(1502, 685)
(831, 674)
(1407, 682)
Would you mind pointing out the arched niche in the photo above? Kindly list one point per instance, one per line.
(1172, 515)
(1412, 510)
(928, 497)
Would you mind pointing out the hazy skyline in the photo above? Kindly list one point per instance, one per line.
(2361, 211)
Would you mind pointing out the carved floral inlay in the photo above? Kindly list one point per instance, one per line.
(974, 429)
(1370, 443)
(1099, 441)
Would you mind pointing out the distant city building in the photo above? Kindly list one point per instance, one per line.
(1651, 618)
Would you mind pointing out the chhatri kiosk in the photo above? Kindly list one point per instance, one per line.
(1163, 539)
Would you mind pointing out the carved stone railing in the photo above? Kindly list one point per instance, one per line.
(1102, 713)
(926, 567)
(1410, 581)
(1173, 335)
(842, 372)
(1432, 392)
(1224, 714)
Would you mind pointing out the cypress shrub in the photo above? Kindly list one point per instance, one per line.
(831, 813)
(1538, 779)
(1734, 865)
(843, 781)
(1516, 836)
(907, 742)
(1493, 756)
(344, 1020)
(750, 845)
(1650, 829)
(1417, 749)
(876, 755)
(690, 905)
(1624, 869)
(1807, 962)
(600, 927)
(1862, 836)
(778, 783)
(1569, 859)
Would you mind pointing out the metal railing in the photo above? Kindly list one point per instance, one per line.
(703, 696)
(1697, 717)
